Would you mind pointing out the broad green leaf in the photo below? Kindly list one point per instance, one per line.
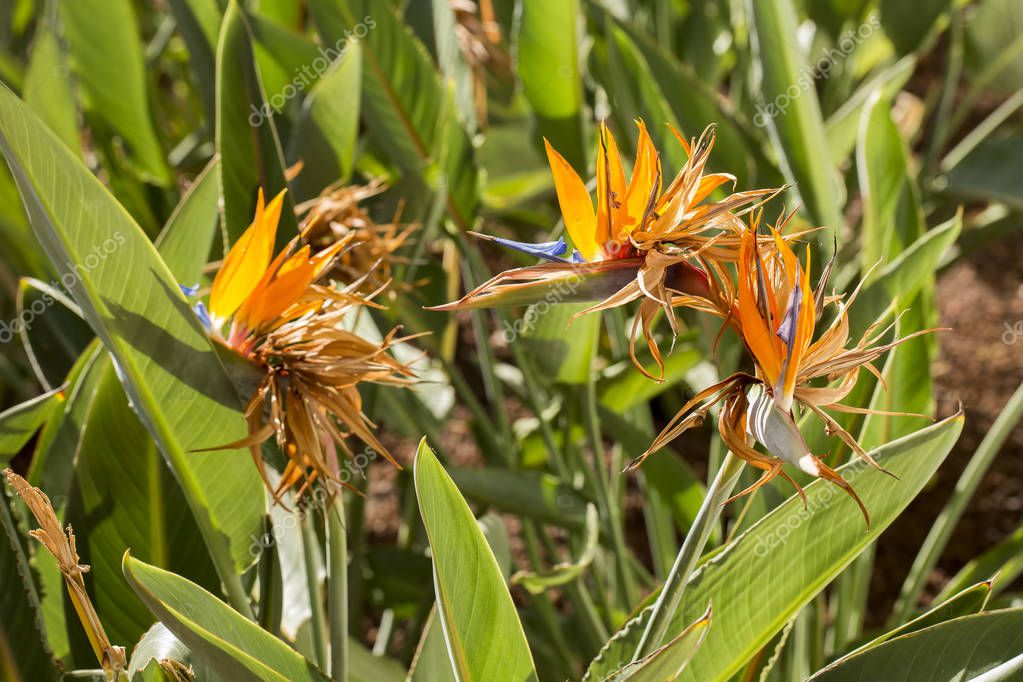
(795, 123)
(48, 88)
(106, 55)
(666, 663)
(289, 63)
(120, 501)
(19, 423)
(537, 495)
(562, 347)
(561, 573)
(988, 173)
(52, 331)
(969, 601)
(907, 24)
(961, 649)
(169, 368)
(765, 576)
(629, 388)
(994, 44)
(548, 67)
(1004, 561)
(842, 127)
(199, 22)
(327, 130)
(696, 105)
(892, 217)
(250, 151)
(482, 630)
(408, 112)
(634, 93)
(452, 63)
(25, 656)
(901, 279)
(231, 645)
(184, 243)
(431, 662)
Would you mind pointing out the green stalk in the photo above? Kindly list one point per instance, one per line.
(943, 526)
(309, 545)
(337, 577)
(606, 502)
(671, 594)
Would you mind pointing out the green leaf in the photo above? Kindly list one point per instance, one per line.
(184, 243)
(19, 423)
(250, 151)
(536, 495)
(548, 67)
(666, 663)
(969, 601)
(327, 130)
(892, 217)
(565, 572)
(994, 43)
(120, 502)
(52, 332)
(908, 24)
(287, 61)
(25, 655)
(902, 278)
(481, 627)
(1004, 561)
(988, 173)
(199, 21)
(431, 662)
(168, 366)
(795, 123)
(843, 126)
(408, 112)
(628, 388)
(107, 58)
(561, 346)
(764, 577)
(961, 649)
(230, 644)
(48, 88)
(697, 104)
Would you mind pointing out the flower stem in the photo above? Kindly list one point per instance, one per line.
(671, 593)
(337, 575)
(309, 545)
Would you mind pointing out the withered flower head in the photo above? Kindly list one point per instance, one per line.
(299, 335)
(642, 241)
(777, 314)
(338, 216)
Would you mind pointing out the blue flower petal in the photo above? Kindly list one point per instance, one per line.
(576, 258)
(551, 251)
(189, 291)
(203, 315)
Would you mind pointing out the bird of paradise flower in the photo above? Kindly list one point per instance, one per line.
(293, 330)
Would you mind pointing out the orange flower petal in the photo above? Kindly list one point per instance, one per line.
(246, 262)
(286, 288)
(576, 205)
(644, 175)
(611, 185)
(755, 331)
